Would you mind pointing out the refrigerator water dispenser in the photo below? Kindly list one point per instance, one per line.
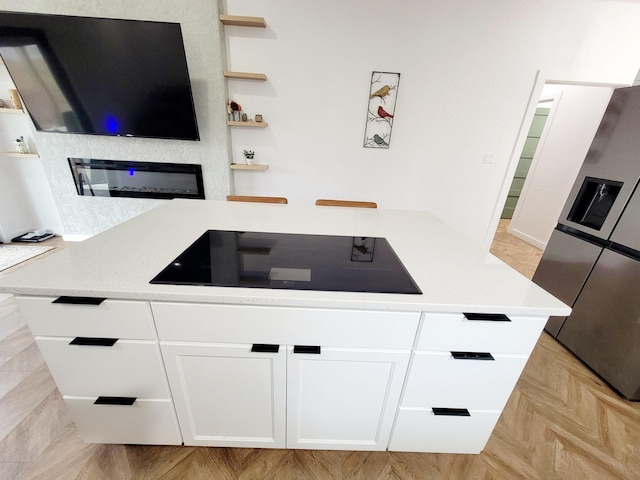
(594, 201)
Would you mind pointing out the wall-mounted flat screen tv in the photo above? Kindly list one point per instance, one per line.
(100, 76)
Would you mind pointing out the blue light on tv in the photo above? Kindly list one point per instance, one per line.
(112, 124)
(131, 172)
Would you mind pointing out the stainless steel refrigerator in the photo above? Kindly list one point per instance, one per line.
(592, 260)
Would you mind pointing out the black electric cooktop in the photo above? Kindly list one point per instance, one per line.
(290, 261)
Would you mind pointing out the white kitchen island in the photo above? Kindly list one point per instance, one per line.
(258, 367)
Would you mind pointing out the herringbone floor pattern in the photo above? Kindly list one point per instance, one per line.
(561, 422)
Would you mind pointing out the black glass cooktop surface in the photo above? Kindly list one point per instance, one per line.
(290, 261)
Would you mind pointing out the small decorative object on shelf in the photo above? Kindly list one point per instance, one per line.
(244, 117)
(234, 109)
(21, 145)
(248, 155)
(15, 98)
(258, 118)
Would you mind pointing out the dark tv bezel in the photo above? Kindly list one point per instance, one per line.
(196, 137)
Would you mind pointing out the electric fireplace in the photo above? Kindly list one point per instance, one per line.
(112, 178)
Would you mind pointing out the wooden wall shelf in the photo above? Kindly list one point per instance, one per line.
(245, 75)
(247, 124)
(20, 155)
(242, 166)
(243, 21)
(11, 110)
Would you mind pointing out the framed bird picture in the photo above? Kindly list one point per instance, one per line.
(380, 113)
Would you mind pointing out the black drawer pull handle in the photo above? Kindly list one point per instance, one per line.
(94, 342)
(115, 401)
(487, 317)
(472, 356)
(451, 412)
(265, 348)
(79, 300)
(314, 349)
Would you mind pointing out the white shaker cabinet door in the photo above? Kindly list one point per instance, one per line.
(342, 399)
(227, 394)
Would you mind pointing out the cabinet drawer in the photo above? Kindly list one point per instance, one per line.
(281, 325)
(418, 430)
(111, 318)
(437, 379)
(445, 332)
(128, 368)
(147, 421)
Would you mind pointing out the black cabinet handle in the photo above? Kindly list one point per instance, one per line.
(94, 341)
(313, 349)
(265, 348)
(487, 317)
(115, 401)
(451, 412)
(79, 300)
(472, 356)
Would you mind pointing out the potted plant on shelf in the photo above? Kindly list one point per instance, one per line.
(21, 145)
(248, 155)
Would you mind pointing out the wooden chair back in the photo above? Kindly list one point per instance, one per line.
(345, 203)
(245, 198)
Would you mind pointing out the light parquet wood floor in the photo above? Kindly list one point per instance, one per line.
(561, 422)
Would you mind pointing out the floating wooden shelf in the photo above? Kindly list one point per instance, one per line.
(247, 124)
(11, 110)
(242, 166)
(245, 75)
(242, 21)
(21, 155)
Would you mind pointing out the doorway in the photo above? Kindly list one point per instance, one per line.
(575, 110)
(526, 157)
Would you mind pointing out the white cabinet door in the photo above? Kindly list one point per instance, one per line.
(227, 394)
(343, 399)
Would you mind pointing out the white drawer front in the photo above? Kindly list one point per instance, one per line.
(440, 380)
(147, 421)
(280, 325)
(418, 430)
(128, 368)
(112, 318)
(444, 332)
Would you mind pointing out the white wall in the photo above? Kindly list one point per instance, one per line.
(202, 37)
(467, 73)
(569, 131)
(468, 70)
(26, 201)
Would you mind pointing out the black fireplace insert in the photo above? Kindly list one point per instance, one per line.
(112, 178)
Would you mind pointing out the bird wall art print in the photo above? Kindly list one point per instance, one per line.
(381, 110)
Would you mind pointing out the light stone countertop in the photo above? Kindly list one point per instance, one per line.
(454, 274)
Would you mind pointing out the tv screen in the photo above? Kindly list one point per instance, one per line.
(100, 76)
